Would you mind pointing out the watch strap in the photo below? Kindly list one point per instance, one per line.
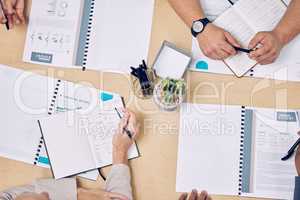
(204, 21)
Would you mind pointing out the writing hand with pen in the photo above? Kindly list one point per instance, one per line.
(12, 12)
(125, 136)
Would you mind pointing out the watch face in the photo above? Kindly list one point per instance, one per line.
(198, 26)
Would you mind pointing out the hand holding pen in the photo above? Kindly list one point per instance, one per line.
(12, 13)
(124, 138)
(128, 124)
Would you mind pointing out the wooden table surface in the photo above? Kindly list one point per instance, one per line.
(154, 174)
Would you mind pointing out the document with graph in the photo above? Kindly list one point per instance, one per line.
(236, 150)
(82, 141)
(89, 34)
(30, 97)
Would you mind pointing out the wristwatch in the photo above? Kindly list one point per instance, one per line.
(199, 26)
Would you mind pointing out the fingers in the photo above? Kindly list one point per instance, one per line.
(258, 38)
(123, 123)
(194, 195)
(183, 196)
(228, 49)
(8, 7)
(45, 196)
(20, 6)
(231, 39)
(203, 195)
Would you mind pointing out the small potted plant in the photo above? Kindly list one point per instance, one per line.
(169, 93)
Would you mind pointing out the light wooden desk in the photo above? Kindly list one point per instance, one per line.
(154, 174)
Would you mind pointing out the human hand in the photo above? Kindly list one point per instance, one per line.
(121, 141)
(216, 43)
(270, 45)
(195, 196)
(33, 196)
(97, 194)
(14, 10)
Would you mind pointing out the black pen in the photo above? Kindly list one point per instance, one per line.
(124, 129)
(242, 49)
(291, 151)
(6, 23)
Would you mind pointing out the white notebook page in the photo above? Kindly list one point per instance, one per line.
(24, 99)
(232, 22)
(208, 149)
(271, 176)
(120, 35)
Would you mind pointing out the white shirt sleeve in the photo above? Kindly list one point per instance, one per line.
(12, 193)
(119, 180)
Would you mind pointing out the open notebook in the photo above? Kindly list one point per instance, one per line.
(103, 35)
(234, 150)
(243, 21)
(82, 141)
(29, 97)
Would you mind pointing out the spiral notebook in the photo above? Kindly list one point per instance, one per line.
(243, 21)
(30, 97)
(82, 141)
(236, 150)
(108, 35)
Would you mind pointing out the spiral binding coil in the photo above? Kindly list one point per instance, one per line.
(242, 148)
(252, 72)
(50, 112)
(88, 35)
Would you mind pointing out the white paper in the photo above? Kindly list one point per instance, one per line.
(66, 147)
(171, 63)
(82, 140)
(52, 35)
(208, 149)
(271, 176)
(243, 33)
(24, 100)
(120, 35)
(65, 189)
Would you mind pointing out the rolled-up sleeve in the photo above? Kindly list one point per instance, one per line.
(12, 193)
(119, 180)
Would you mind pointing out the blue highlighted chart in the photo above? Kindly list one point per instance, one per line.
(201, 64)
(106, 96)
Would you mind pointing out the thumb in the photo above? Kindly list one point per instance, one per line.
(45, 196)
(256, 40)
(231, 39)
(8, 7)
(20, 10)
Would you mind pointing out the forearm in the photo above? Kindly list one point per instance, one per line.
(119, 180)
(12, 193)
(289, 26)
(120, 157)
(188, 10)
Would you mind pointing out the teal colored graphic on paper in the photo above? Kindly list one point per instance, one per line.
(44, 160)
(106, 96)
(41, 57)
(201, 64)
(286, 116)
